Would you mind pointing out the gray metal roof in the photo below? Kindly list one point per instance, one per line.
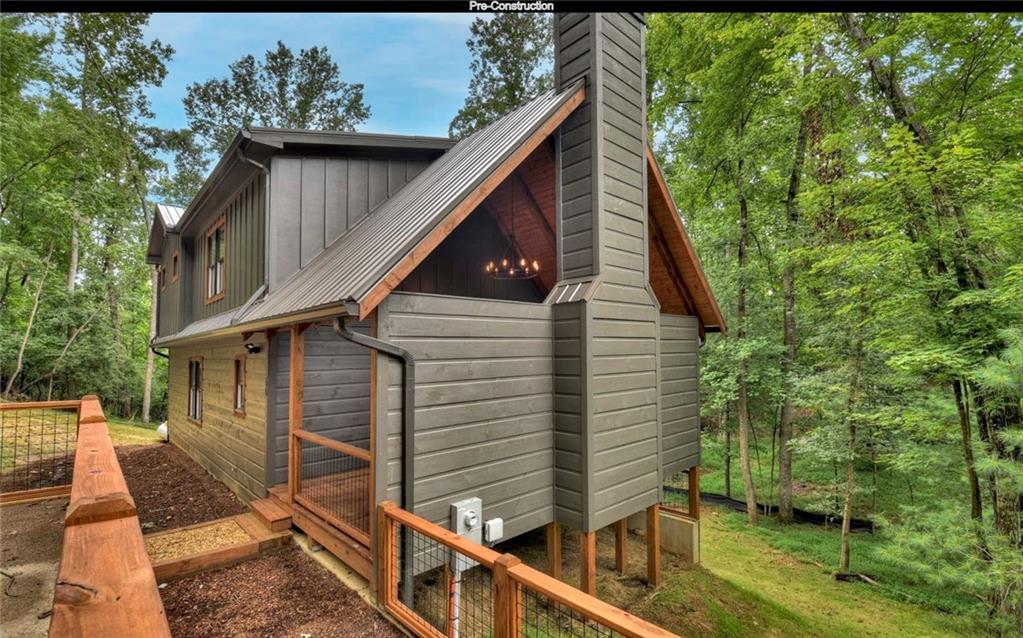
(279, 137)
(349, 269)
(170, 215)
(200, 327)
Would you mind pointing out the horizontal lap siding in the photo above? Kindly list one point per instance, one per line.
(316, 200)
(577, 147)
(336, 392)
(484, 406)
(243, 270)
(570, 445)
(625, 468)
(680, 398)
(231, 447)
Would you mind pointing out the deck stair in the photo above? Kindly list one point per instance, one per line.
(271, 514)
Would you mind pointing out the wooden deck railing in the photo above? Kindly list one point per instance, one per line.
(439, 585)
(37, 448)
(105, 584)
(333, 482)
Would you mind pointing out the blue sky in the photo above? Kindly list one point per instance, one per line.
(415, 67)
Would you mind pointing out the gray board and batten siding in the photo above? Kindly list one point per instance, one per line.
(171, 295)
(335, 398)
(484, 406)
(243, 269)
(316, 200)
(602, 210)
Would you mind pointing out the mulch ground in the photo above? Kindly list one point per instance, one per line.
(284, 593)
(171, 490)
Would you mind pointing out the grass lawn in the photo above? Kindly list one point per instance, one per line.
(751, 588)
(132, 432)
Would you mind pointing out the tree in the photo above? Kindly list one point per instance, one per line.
(511, 62)
(281, 90)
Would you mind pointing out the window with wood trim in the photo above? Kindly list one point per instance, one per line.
(162, 276)
(216, 251)
(195, 389)
(239, 385)
(174, 266)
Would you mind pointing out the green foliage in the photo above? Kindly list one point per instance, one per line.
(511, 56)
(905, 254)
(281, 90)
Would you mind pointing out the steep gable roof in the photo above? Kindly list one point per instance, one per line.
(665, 214)
(367, 263)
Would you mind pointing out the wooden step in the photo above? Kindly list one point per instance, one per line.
(271, 514)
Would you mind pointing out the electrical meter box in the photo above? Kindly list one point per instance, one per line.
(467, 519)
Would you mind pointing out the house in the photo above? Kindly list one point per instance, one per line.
(352, 318)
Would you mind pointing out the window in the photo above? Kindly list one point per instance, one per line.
(216, 246)
(195, 390)
(174, 266)
(239, 385)
(162, 276)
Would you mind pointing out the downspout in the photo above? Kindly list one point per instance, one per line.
(266, 211)
(408, 404)
(408, 448)
(157, 352)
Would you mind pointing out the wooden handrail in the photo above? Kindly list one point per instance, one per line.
(337, 446)
(105, 582)
(589, 607)
(39, 405)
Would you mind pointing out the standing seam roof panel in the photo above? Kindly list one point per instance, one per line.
(349, 268)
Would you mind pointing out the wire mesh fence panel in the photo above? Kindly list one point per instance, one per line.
(676, 489)
(37, 447)
(446, 589)
(336, 484)
(543, 617)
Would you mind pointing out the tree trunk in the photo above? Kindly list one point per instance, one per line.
(788, 288)
(72, 269)
(147, 386)
(20, 361)
(743, 398)
(728, 457)
(850, 467)
(976, 509)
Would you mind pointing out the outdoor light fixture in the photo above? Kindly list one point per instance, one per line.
(512, 264)
(252, 348)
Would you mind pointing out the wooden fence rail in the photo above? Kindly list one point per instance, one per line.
(105, 584)
(519, 600)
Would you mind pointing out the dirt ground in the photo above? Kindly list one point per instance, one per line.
(283, 593)
(29, 552)
(171, 490)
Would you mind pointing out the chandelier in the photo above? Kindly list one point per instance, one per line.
(512, 264)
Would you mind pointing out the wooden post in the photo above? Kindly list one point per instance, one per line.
(507, 598)
(588, 562)
(449, 582)
(694, 492)
(622, 545)
(653, 545)
(296, 382)
(553, 532)
(385, 553)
